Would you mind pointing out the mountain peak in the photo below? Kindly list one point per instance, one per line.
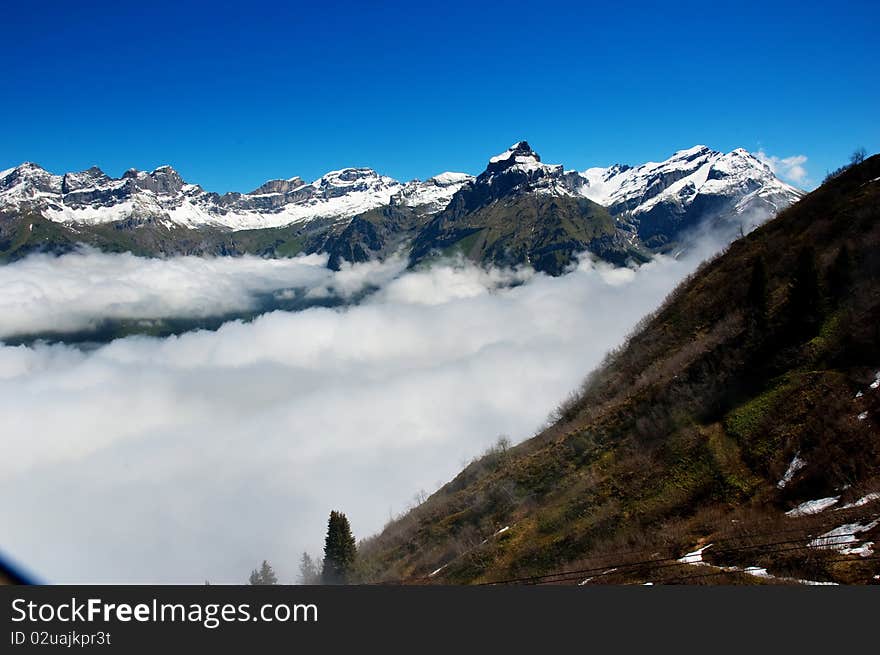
(690, 154)
(165, 170)
(519, 153)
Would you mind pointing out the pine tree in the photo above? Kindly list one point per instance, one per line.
(756, 296)
(308, 570)
(265, 576)
(339, 550)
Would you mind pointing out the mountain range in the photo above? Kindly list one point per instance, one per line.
(519, 210)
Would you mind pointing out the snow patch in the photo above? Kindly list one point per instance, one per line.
(694, 557)
(760, 572)
(843, 535)
(796, 465)
(812, 506)
(865, 550)
(864, 500)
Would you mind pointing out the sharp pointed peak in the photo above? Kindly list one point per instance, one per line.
(518, 149)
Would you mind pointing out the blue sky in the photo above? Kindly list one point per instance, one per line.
(232, 96)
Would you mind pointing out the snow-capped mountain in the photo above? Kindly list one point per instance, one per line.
(521, 210)
(691, 184)
(520, 169)
(518, 210)
(91, 197)
(689, 187)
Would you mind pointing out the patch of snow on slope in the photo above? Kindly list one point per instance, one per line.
(694, 557)
(864, 500)
(796, 465)
(843, 535)
(812, 506)
(864, 550)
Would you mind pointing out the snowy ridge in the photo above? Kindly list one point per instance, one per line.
(92, 197)
(433, 194)
(687, 174)
(697, 178)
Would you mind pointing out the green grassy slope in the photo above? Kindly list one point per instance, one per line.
(543, 230)
(679, 439)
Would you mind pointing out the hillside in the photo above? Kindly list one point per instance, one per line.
(752, 391)
(542, 230)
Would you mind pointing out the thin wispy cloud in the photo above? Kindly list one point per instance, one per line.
(792, 169)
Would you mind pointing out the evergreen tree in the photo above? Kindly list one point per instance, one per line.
(840, 276)
(265, 575)
(339, 550)
(308, 570)
(756, 296)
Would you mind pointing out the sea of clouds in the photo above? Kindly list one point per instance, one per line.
(197, 456)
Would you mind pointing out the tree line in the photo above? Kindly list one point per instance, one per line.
(337, 566)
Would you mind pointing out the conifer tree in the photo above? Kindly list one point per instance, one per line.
(264, 576)
(339, 550)
(267, 575)
(308, 570)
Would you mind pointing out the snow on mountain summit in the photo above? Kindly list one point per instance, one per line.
(696, 171)
(93, 197)
(520, 157)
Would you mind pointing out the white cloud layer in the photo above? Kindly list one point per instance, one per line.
(72, 292)
(196, 456)
(791, 169)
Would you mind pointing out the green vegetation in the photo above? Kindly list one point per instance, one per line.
(542, 230)
(339, 551)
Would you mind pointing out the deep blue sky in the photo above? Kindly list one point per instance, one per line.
(232, 96)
